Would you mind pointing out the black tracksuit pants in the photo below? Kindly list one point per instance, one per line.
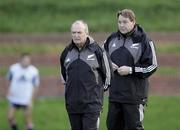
(123, 116)
(84, 121)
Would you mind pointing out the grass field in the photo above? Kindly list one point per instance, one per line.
(58, 15)
(35, 48)
(48, 48)
(162, 113)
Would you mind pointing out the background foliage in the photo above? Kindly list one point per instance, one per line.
(57, 15)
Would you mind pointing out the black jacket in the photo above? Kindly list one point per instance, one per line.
(137, 51)
(85, 73)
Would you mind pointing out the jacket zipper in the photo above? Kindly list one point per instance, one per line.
(77, 74)
(124, 41)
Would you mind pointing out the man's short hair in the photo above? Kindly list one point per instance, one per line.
(127, 13)
(82, 22)
(24, 54)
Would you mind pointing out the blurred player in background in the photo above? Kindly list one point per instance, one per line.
(23, 82)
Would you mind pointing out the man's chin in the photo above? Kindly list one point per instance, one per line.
(79, 44)
(77, 41)
(123, 32)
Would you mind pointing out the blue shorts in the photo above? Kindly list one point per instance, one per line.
(19, 106)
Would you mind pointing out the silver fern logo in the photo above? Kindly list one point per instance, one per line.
(91, 57)
(135, 46)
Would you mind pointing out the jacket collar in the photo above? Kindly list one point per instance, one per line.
(136, 34)
(86, 45)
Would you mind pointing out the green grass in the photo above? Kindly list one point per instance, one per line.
(35, 48)
(162, 113)
(169, 71)
(48, 48)
(58, 15)
(169, 48)
(49, 70)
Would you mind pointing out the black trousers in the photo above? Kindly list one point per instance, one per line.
(84, 121)
(123, 116)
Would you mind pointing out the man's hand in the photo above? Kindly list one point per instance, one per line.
(124, 70)
(114, 66)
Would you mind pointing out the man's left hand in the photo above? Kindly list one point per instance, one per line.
(124, 70)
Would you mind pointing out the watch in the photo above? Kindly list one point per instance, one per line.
(130, 70)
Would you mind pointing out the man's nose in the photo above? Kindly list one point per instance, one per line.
(121, 25)
(76, 35)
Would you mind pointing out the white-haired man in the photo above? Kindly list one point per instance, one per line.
(85, 70)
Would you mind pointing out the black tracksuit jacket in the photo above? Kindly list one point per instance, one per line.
(85, 73)
(137, 51)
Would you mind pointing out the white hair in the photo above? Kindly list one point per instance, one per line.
(83, 23)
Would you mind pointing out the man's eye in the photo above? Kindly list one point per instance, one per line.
(122, 22)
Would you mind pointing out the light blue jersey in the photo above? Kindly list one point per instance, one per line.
(22, 83)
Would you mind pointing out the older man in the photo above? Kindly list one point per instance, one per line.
(85, 70)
